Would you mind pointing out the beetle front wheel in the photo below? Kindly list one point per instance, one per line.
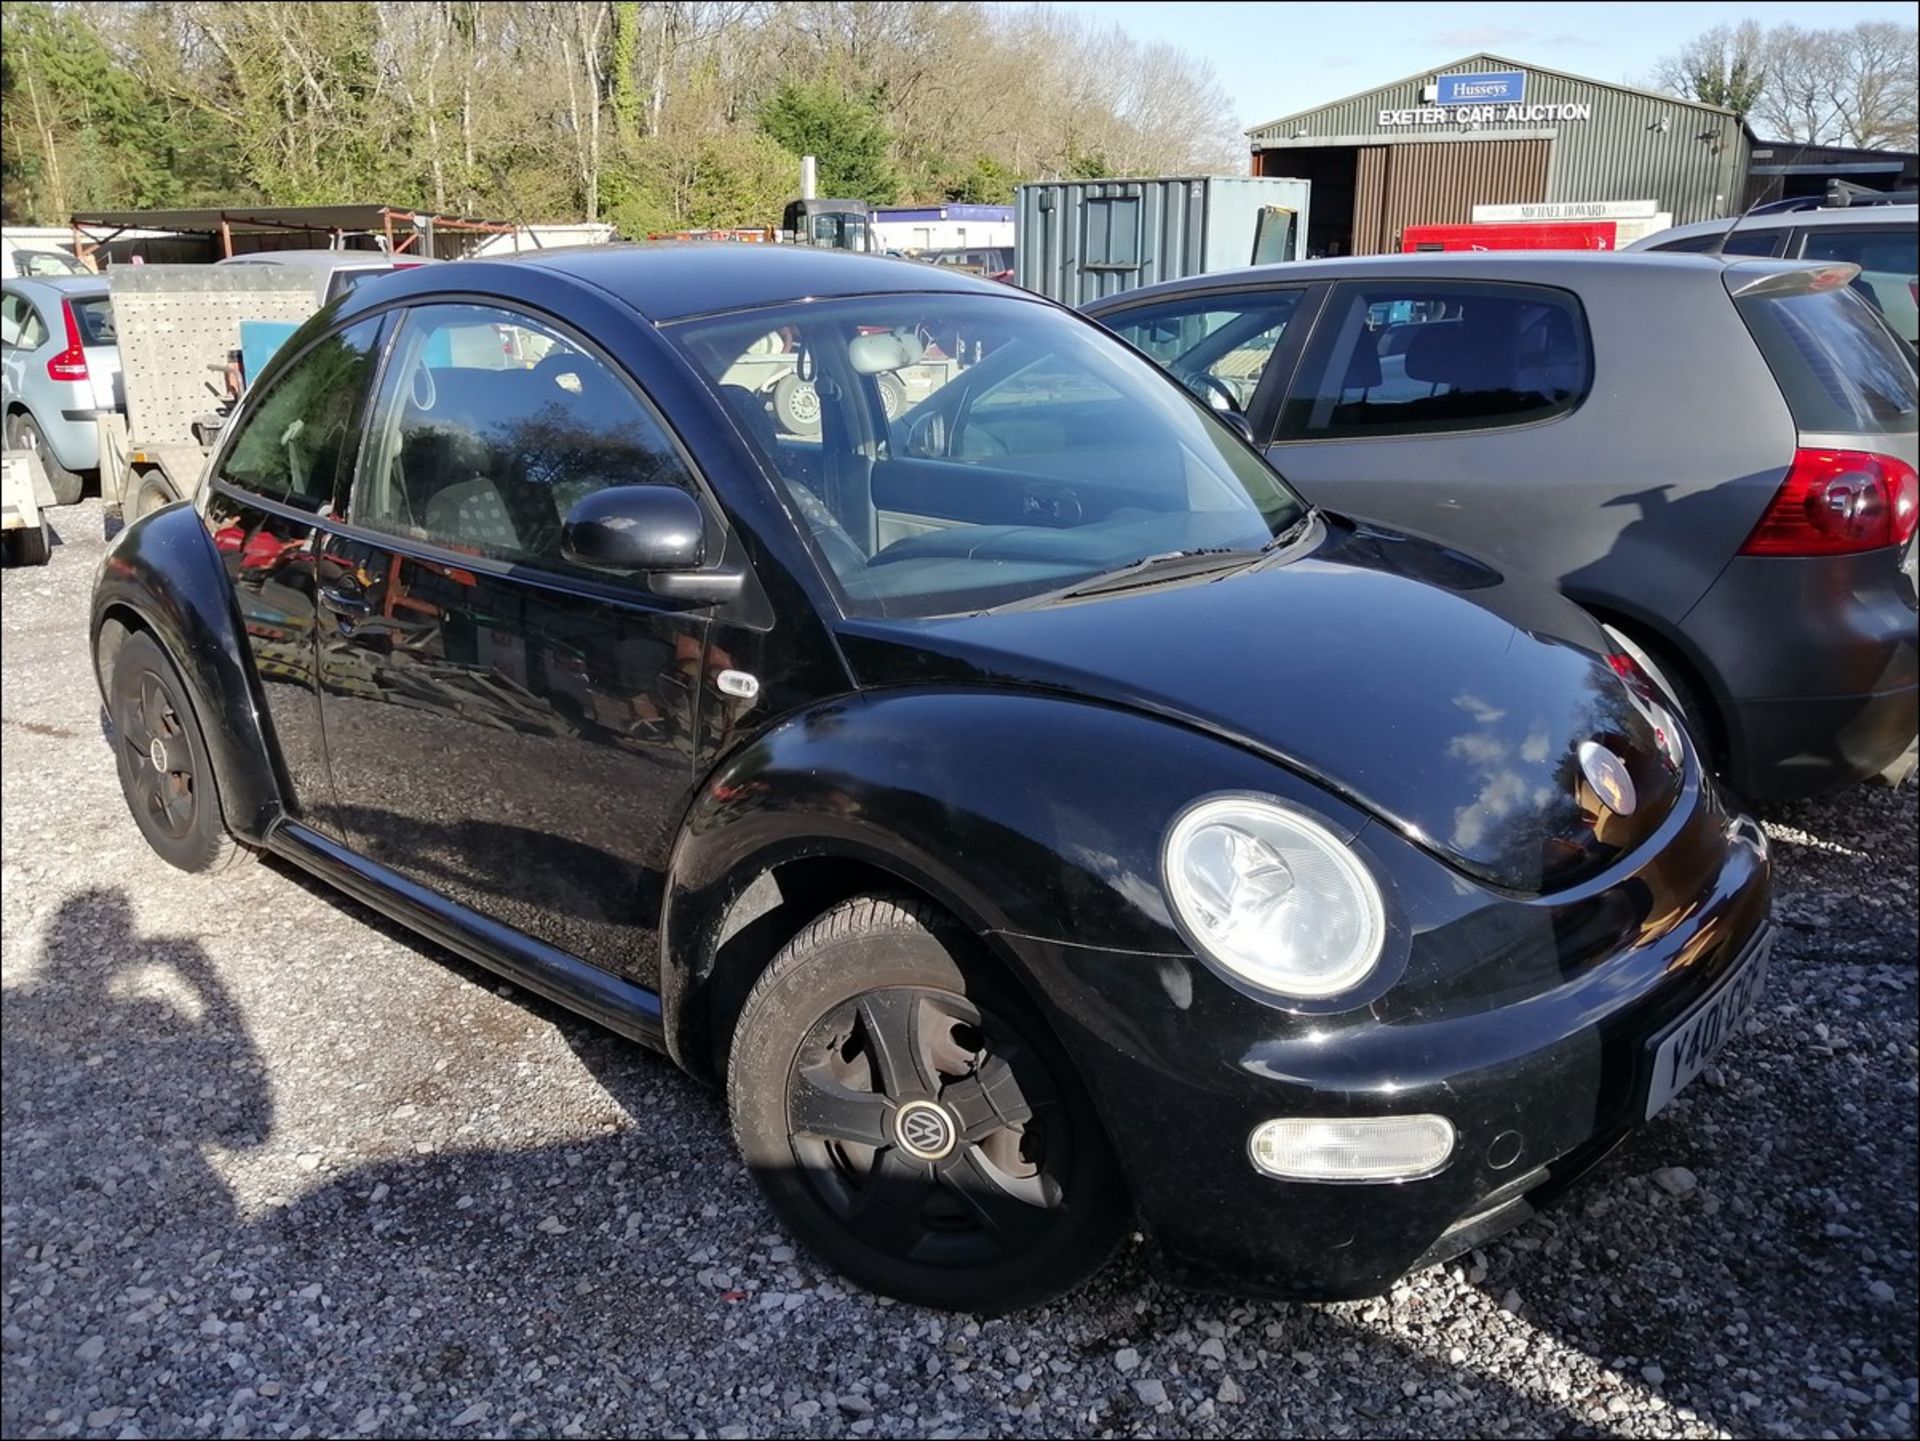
(912, 1120)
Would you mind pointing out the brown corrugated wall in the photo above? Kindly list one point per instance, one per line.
(1438, 183)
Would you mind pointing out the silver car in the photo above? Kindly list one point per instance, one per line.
(61, 373)
(1880, 239)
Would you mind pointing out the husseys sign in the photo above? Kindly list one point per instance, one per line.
(1498, 98)
(1486, 115)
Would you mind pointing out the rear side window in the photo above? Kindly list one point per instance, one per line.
(20, 325)
(1428, 357)
(1839, 367)
(297, 445)
(94, 316)
(344, 280)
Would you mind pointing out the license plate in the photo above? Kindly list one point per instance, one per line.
(1687, 1048)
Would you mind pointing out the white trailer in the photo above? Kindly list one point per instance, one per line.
(178, 330)
(24, 494)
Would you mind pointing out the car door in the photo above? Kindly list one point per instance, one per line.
(280, 477)
(504, 727)
(1438, 407)
(1231, 348)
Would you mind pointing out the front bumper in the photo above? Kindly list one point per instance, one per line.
(1528, 1029)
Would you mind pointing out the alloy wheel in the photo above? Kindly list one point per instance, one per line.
(160, 758)
(928, 1127)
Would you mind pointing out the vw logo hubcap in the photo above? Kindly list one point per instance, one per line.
(925, 1130)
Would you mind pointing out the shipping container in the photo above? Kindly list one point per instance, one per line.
(1077, 240)
(1515, 235)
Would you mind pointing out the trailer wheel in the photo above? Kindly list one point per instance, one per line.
(152, 493)
(23, 433)
(797, 405)
(29, 545)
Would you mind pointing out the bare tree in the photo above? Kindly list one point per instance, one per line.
(1854, 86)
(1725, 66)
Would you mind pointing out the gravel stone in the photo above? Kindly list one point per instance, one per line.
(173, 1045)
(1676, 1180)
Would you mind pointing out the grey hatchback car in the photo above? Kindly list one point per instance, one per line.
(1715, 457)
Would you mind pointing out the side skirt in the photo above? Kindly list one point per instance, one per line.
(622, 1007)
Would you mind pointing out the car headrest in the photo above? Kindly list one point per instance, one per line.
(1363, 366)
(749, 408)
(878, 354)
(1460, 356)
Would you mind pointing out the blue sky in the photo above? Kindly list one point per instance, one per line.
(1275, 59)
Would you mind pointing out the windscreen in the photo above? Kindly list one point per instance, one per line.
(1839, 366)
(953, 452)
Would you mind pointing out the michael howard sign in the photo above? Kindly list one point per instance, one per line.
(1509, 86)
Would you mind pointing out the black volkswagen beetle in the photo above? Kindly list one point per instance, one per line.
(1035, 814)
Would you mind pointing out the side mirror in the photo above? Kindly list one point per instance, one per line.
(927, 438)
(636, 527)
(659, 530)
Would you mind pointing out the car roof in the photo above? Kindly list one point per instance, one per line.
(674, 280)
(1569, 269)
(66, 285)
(1851, 215)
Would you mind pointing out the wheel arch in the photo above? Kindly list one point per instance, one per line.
(716, 944)
(1669, 647)
(162, 576)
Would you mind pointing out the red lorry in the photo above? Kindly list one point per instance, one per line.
(1521, 235)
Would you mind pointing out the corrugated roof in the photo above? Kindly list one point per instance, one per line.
(1452, 67)
(273, 219)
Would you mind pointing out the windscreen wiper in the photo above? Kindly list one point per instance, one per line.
(1167, 565)
(1288, 536)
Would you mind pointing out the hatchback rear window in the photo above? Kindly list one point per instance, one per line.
(1838, 365)
(94, 316)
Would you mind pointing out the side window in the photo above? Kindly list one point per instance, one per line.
(1429, 357)
(297, 444)
(1113, 231)
(1742, 242)
(491, 428)
(20, 325)
(1888, 269)
(1217, 347)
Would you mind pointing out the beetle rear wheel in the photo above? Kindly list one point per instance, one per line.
(913, 1122)
(162, 757)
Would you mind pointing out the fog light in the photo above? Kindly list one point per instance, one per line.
(1352, 1148)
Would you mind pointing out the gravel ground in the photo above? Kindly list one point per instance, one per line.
(272, 1167)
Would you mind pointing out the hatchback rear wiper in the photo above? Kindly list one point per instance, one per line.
(1167, 565)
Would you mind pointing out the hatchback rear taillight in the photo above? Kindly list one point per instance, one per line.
(71, 363)
(1839, 502)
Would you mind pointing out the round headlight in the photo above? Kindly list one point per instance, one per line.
(1274, 897)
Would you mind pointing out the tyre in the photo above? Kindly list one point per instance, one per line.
(912, 1120)
(162, 758)
(151, 493)
(29, 545)
(797, 405)
(23, 433)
